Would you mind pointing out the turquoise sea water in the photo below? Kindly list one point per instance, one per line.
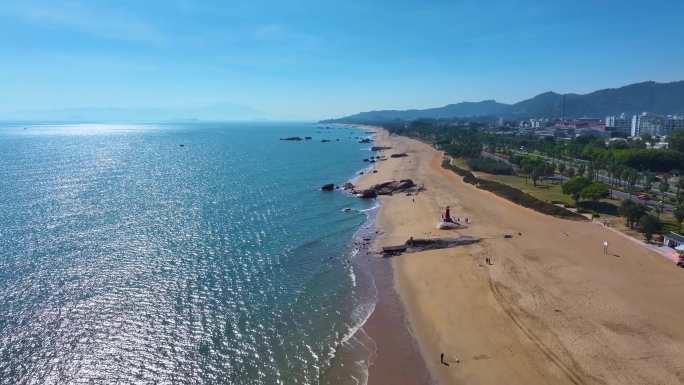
(127, 258)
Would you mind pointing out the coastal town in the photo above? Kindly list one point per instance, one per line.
(626, 170)
(525, 289)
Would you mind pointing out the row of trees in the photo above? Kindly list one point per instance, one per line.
(582, 187)
(637, 215)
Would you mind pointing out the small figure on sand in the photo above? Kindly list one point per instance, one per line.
(447, 222)
(446, 217)
(441, 360)
(605, 247)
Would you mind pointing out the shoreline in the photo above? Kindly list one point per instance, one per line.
(399, 359)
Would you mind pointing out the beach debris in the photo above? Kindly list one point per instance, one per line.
(380, 148)
(399, 155)
(444, 225)
(507, 236)
(417, 245)
(328, 187)
(292, 138)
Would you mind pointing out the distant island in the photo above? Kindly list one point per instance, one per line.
(653, 97)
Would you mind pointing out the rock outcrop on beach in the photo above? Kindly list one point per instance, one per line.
(380, 148)
(368, 194)
(292, 138)
(328, 187)
(399, 155)
(394, 186)
(387, 188)
(348, 186)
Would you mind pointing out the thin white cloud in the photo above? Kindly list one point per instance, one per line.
(77, 16)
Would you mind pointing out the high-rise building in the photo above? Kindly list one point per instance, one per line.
(673, 123)
(648, 124)
(619, 125)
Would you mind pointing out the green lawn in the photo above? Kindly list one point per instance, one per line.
(545, 191)
(460, 162)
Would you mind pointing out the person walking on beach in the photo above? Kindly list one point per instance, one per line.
(605, 247)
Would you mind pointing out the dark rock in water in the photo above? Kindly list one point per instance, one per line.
(399, 155)
(348, 186)
(182, 145)
(366, 140)
(307, 138)
(368, 194)
(337, 140)
(360, 172)
(365, 160)
(380, 148)
(328, 187)
(325, 140)
(371, 161)
(292, 138)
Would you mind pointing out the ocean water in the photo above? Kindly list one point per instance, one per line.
(126, 258)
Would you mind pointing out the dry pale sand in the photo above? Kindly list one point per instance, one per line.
(553, 309)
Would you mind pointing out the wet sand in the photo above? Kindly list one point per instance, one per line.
(398, 359)
(552, 309)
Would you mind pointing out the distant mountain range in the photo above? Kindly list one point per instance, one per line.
(658, 98)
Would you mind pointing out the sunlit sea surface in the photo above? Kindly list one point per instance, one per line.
(179, 254)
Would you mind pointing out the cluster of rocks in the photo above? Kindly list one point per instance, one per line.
(393, 186)
(385, 188)
(331, 186)
(366, 140)
(373, 159)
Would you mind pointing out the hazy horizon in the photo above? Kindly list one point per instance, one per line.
(309, 60)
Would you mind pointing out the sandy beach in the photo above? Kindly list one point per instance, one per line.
(551, 309)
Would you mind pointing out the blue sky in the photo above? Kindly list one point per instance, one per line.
(315, 59)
